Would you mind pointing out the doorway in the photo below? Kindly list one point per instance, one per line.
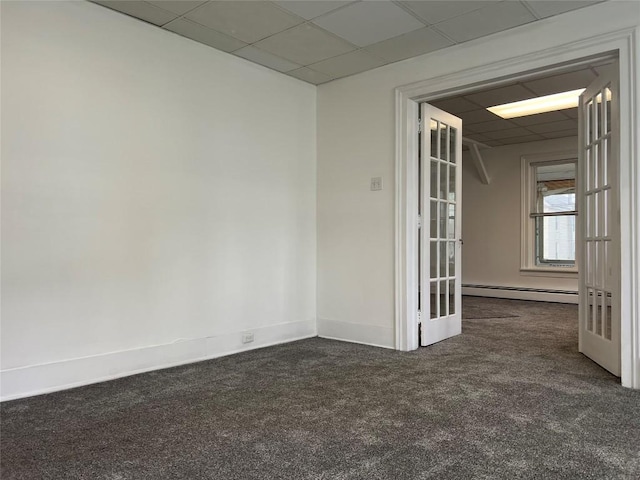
(408, 99)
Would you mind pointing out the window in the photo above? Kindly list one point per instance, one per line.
(549, 213)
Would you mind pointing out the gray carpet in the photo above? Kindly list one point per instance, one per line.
(509, 398)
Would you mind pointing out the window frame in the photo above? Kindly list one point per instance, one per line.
(529, 245)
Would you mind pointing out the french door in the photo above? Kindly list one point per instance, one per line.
(440, 299)
(599, 330)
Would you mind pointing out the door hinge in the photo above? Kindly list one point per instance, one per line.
(419, 317)
(419, 125)
(419, 221)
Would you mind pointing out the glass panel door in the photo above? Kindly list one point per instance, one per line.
(440, 244)
(597, 169)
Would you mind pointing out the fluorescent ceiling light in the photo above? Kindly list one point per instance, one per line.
(548, 103)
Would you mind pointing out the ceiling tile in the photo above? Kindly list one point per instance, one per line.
(571, 112)
(248, 21)
(142, 10)
(412, 44)
(498, 96)
(548, 8)
(267, 59)
(437, 11)
(477, 116)
(305, 44)
(309, 75)
(561, 133)
(455, 105)
(474, 136)
(555, 126)
(468, 130)
(179, 7)
(492, 126)
(488, 20)
(364, 23)
(507, 133)
(348, 64)
(204, 35)
(311, 9)
(539, 118)
(523, 139)
(562, 83)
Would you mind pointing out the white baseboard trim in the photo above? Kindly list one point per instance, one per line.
(517, 293)
(372, 335)
(51, 377)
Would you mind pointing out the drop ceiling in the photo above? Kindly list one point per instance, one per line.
(484, 127)
(320, 41)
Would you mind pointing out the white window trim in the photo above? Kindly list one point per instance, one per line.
(528, 265)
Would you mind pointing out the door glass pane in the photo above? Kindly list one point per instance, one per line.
(603, 313)
(452, 297)
(433, 127)
(443, 298)
(452, 183)
(433, 176)
(433, 296)
(606, 259)
(443, 181)
(594, 167)
(452, 259)
(605, 150)
(600, 167)
(594, 259)
(594, 217)
(443, 259)
(433, 220)
(590, 136)
(605, 213)
(589, 215)
(590, 300)
(442, 212)
(451, 234)
(587, 169)
(588, 268)
(599, 105)
(453, 133)
(607, 318)
(607, 109)
(443, 141)
(597, 313)
(600, 265)
(609, 161)
(433, 260)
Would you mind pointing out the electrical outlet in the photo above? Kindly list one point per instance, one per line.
(247, 337)
(376, 183)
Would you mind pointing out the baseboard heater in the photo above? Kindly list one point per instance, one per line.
(521, 293)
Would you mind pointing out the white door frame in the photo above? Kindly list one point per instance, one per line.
(626, 44)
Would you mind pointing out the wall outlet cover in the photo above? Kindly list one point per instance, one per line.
(247, 337)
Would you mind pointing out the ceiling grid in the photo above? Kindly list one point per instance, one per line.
(323, 40)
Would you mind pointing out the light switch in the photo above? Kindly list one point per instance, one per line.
(376, 183)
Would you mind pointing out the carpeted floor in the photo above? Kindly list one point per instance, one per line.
(509, 398)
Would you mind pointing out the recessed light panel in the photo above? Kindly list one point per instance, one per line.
(532, 106)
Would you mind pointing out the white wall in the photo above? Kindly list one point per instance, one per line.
(491, 219)
(158, 199)
(356, 128)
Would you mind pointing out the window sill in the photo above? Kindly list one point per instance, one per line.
(557, 272)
